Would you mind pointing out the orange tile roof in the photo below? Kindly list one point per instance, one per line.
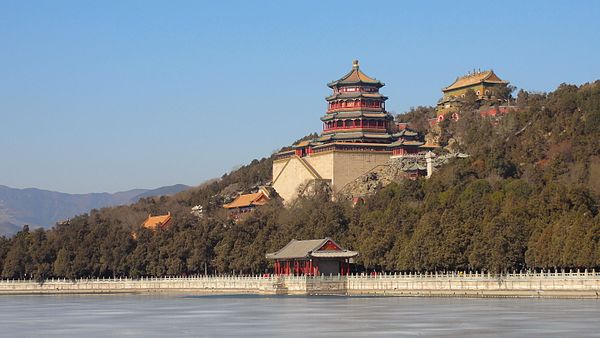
(152, 222)
(479, 77)
(247, 200)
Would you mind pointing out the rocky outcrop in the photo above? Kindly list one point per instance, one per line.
(394, 170)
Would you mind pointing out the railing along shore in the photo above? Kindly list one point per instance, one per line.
(586, 274)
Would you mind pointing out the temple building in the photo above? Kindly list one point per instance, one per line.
(485, 84)
(155, 222)
(312, 258)
(358, 135)
(246, 203)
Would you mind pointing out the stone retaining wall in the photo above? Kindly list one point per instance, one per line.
(199, 284)
(570, 285)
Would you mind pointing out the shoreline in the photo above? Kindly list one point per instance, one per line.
(532, 294)
(538, 285)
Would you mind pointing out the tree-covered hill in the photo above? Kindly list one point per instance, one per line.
(43, 208)
(527, 197)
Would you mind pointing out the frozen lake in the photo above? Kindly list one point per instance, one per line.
(276, 316)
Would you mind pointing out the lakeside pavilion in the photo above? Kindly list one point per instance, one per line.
(312, 257)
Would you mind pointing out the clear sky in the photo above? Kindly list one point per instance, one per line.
(112, 95)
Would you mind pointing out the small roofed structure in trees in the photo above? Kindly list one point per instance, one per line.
(159, 221)
(312, 257)
(246, 203)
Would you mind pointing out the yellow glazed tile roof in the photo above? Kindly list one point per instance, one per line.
(472, 79)
(152, 222)
(247, 200)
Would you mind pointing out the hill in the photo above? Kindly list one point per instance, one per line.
(43, 208)
(526, 198)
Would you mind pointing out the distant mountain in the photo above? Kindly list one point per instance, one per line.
(8, 229)
(162, 191)
(43, 208)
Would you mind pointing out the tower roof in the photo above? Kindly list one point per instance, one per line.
(355, 95)
(356, 76)
(487, 76)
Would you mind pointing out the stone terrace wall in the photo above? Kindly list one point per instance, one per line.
(237, 284)
(547, 284)
(567, 284)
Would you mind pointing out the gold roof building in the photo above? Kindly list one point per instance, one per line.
(485, 84)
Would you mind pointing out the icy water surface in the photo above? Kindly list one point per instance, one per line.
(278, 316)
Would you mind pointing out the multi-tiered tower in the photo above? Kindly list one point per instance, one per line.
(356, 110)
(358, 135)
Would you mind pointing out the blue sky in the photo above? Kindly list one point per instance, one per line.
(108, 96)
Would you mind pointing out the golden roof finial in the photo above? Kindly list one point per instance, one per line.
(355, 64)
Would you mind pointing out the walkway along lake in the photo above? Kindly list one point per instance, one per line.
(547, 284)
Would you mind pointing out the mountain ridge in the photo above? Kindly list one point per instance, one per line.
(43, 208)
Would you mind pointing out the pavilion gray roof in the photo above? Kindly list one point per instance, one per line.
(306, 249)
